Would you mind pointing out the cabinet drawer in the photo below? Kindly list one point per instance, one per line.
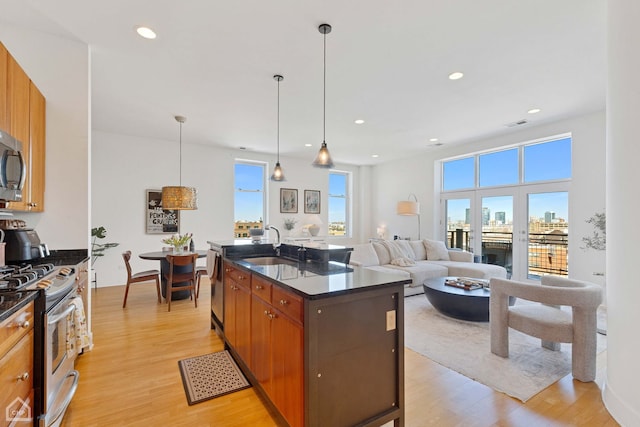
(17, 374)
(15, 327)
(288, 303)
(261, 288)
(239, 276)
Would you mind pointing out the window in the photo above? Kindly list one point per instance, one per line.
(338, 203)
(499, 168)
(249, 196)
(547, 161)
(458, 174)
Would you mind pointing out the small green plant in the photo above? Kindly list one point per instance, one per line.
(177, 240)
(598, 240)
(98, 249)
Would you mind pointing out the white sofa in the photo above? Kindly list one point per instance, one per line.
(421, 260)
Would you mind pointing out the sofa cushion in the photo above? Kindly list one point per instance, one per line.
(365, 255)
(382, 252)
(460, 256)
(436, 250)
(418, 249)
(421, 271)
(474, 270)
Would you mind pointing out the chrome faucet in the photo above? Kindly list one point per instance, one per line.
(277, 244)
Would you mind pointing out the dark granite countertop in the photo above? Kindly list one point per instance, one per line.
(314, 281)
(65, 257)
(11, 302)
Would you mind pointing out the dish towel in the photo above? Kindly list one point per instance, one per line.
(77, 333)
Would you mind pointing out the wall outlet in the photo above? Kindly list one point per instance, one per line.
(391, 320)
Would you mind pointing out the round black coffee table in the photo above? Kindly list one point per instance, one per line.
(459, 303)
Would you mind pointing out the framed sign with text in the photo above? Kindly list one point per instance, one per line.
(160, 221)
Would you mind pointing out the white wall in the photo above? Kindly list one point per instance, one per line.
(124, 167)
(60, 69)
(621, 395)
(394, 181)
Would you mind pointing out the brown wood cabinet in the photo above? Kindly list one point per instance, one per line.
(23, 115)
(237, 312)
(4, 107)
(334, 359)
(16, 364)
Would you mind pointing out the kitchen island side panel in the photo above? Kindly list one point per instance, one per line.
(355, 359)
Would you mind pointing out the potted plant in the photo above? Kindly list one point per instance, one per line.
(179, 242)
(98, 249)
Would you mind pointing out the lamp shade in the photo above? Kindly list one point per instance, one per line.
(408, 207)
(179, 198)
(323, 159)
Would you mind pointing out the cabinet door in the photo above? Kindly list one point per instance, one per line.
(4, 101)
(230, 310)
(261, 343)
(37, 128)
(18, 91)
(287, 368)
(243, 324)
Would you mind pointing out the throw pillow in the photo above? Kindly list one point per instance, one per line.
(436, 250)
(405, 247)
(418, 249)
(365, 255)
(383, 253)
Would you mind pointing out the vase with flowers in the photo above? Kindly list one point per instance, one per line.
(179, 242)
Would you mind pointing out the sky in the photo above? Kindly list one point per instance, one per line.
(542, 162)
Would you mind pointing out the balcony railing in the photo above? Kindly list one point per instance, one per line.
(547, 252)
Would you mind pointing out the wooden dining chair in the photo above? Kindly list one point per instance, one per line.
(142, 276)
(174, 277)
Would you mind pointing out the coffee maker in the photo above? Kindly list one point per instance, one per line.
(23, 245)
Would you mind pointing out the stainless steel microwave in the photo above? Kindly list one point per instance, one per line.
(13, 169)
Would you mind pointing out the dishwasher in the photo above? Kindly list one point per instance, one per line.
(214, 270)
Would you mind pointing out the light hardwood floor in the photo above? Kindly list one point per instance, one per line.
(131, 378)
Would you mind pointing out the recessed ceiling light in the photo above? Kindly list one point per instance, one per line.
(455, 76)
(359, 121)
(534, 111)
(146, 32)
(433, 139)
(375, 156)
(308, 145)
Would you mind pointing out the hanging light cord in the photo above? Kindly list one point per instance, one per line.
(324, 90)
(180, 154)
(278, 121)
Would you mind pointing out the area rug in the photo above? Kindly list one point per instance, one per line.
(465, 348)
(211, 375)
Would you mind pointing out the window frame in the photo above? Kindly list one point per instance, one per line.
(347, 202)
(265, 189)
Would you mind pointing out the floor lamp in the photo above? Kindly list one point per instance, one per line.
(410, 208)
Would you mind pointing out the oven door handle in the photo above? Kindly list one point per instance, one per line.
(67, 400)
(58, 317)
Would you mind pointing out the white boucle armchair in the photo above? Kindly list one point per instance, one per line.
(547, 320)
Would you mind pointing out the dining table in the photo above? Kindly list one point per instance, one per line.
(164, 269)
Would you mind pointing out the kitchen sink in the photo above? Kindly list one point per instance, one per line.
(269, 260)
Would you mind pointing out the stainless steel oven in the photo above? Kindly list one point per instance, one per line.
(60, 377)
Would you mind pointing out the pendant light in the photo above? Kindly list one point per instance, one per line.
(179, 198)
(323, 159)
(278, 174)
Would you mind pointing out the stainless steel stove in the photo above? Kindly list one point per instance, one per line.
(56, 281)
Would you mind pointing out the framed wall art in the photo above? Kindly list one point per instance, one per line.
(288, 200)
(312, 201)
(160, 221)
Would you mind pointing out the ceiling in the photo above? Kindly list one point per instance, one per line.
(387, 63)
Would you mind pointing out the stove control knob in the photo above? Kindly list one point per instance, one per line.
(25, 324)
(23, 377)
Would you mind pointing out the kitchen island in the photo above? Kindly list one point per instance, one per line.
(322, 341)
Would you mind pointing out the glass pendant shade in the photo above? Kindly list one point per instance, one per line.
(180, 198)
(277, 175)
(323, 159)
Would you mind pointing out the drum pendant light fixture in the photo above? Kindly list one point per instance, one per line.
(179, 198)
(278, 174)
(323, 160)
